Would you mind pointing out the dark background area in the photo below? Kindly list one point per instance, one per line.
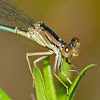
(68, 18)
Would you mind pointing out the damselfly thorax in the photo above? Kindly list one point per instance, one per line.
(44, 36)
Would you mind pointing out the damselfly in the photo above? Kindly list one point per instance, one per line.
(43, 35)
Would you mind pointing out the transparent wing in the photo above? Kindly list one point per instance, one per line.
(11, 13)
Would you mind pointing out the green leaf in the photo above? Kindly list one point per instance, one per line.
(3, 95)
(73, 87)
(49, 80)
(61, 90)
(44, 88)
(39, 85)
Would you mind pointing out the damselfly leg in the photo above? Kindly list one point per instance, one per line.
(41, 58)
(58, 62)
(37, 60)
(72, 65)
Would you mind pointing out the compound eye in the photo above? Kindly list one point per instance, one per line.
(75, 42)
(67, 51)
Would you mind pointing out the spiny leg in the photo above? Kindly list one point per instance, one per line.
(61, 70)
(55, 63)
(72, 64)
(37, 60)
(33, 54)
(29, 65)
(66, 77)
(61, 81)
(71, 70)
(73, 67)
(60, 60)
(54, 72)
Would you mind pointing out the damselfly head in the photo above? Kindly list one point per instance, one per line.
(67, 51)
(75, 44)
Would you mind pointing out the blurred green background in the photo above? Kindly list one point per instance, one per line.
(68, 18)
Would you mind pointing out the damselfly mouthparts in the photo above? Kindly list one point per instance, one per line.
(43, 35)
